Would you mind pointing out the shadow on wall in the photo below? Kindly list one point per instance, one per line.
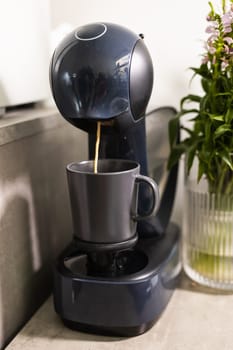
(4, 100)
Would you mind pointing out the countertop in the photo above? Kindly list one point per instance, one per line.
(24, 122)
(195, 318)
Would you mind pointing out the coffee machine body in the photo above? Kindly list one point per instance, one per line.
(97, 73)
(103, 72)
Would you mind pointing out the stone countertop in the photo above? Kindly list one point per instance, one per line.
(195, 318)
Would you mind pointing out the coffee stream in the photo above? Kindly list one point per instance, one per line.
(97, 145)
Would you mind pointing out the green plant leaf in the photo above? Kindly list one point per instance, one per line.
(207, 131)
(201, 170)
(175, 155)
(190, 158)
(189, 131)
(190, 98)
(223, 94)
(203, 71)
(199, 124)
(222, 129)
(223, 146)
(212, 13)
(203, 103)
(173, 130)
(226, 158)
(205, 84)
(174, 125)
(219, 118)
(229, 115)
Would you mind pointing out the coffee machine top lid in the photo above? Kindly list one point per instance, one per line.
(96, 73)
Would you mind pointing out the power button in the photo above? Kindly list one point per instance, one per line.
(91, 31)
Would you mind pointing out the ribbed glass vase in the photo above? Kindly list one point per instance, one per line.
(208, 236)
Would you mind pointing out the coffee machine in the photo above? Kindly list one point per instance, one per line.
(103, 72)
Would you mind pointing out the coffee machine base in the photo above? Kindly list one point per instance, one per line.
(127, 303)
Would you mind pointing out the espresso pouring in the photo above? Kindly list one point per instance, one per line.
(97, 145)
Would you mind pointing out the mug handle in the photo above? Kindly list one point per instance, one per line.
(155, 192)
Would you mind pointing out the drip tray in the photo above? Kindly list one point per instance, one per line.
(123, 263)
(127, 303)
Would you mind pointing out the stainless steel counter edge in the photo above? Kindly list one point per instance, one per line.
(26, 122)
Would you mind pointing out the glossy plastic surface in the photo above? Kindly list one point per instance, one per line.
(148, 144)
(95, 74)
(127, 304)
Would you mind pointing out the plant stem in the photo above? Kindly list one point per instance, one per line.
(229, 187)
(223, 6)
(220, 186)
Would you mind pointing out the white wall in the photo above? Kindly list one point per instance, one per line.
(24, 57)
(174, 33)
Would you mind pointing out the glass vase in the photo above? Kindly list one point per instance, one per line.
(208, 236)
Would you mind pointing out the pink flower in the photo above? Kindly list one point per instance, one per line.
(227, 29)
(210, 29)
(224, 65)
(227, 20)
(226, 49)
(228, 40)
(212, 38)
(211, 50)
(205, 59)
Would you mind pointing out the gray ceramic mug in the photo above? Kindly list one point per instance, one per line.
(104, 204)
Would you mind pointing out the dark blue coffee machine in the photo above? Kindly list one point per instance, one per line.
(103, 72)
